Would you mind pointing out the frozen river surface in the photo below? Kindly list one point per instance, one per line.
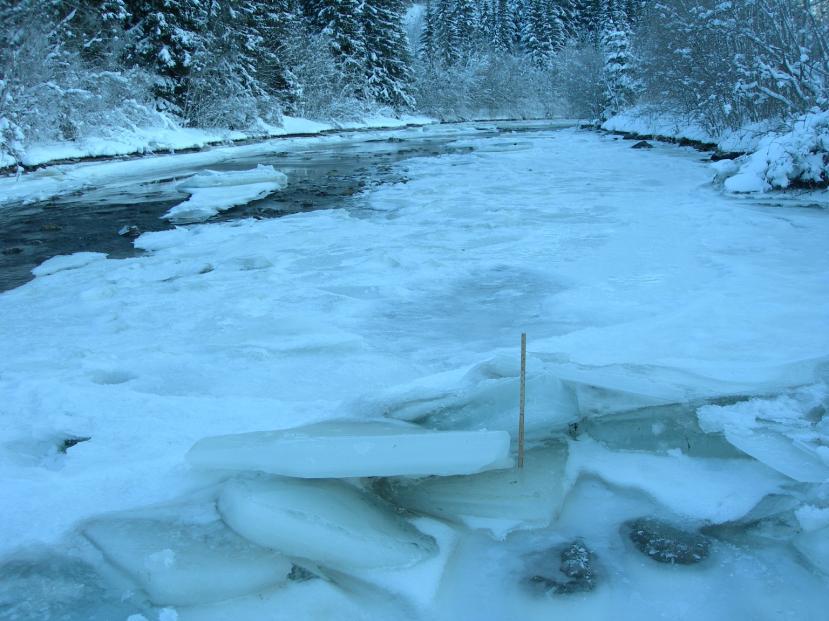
(676, 399)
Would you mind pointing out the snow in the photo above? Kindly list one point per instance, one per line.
(67, 262)
(213, 191)
(780, 154)
(651, 301)
(784, 158)
(355, 449)
(186, 563)
(327, 522)
(646, 121)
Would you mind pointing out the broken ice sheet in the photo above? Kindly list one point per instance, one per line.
(658, 429)
(499, 501)
(181, 564)
(330, 523)
(483, 396)
(213, 191)
(713, 489)
(351, 448)
(783, 432)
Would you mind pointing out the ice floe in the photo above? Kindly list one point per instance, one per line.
(214, 191)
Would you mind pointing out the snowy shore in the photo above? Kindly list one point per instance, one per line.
(756, 158)
(149, 140)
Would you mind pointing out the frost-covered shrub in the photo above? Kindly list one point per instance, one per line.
(799, 156)
(485, 87)
(580, 80)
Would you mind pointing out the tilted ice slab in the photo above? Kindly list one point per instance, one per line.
(484, 396)
(328, 522)
(707, 489)
(342, 449)
(213, 191)
(786, 433)
(185, 564)
(500, 501)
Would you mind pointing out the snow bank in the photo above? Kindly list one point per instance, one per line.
(327, 522)
(646, 121)
(777, 159)
(355, 448)
(139, 140)
(213, 191)
(798, 156)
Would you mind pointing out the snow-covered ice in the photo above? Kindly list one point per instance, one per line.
(354, 448)
(646, 294)
(327, 522)
(214, 191)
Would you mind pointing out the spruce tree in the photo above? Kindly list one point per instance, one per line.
(388, 71)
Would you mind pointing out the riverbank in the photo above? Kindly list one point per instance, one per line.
(141, 141)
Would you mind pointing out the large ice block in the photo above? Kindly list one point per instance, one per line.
(500, 501)
(342, 449)
(185, 564)
(330, 523)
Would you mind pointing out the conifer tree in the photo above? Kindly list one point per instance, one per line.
(388, 65)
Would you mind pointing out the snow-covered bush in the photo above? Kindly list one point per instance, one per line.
(796, 157)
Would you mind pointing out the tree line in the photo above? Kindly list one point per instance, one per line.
(70, 68)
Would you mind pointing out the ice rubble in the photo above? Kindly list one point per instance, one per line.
(354, 448)
(732, 486)
(498, 501)
(482, 396)
(788, 433)
(214, 191)
(186, 564)
(329, 523)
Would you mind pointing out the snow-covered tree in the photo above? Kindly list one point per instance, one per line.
(619, 68)
(388, 64)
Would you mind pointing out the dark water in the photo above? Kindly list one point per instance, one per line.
(320, 176)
